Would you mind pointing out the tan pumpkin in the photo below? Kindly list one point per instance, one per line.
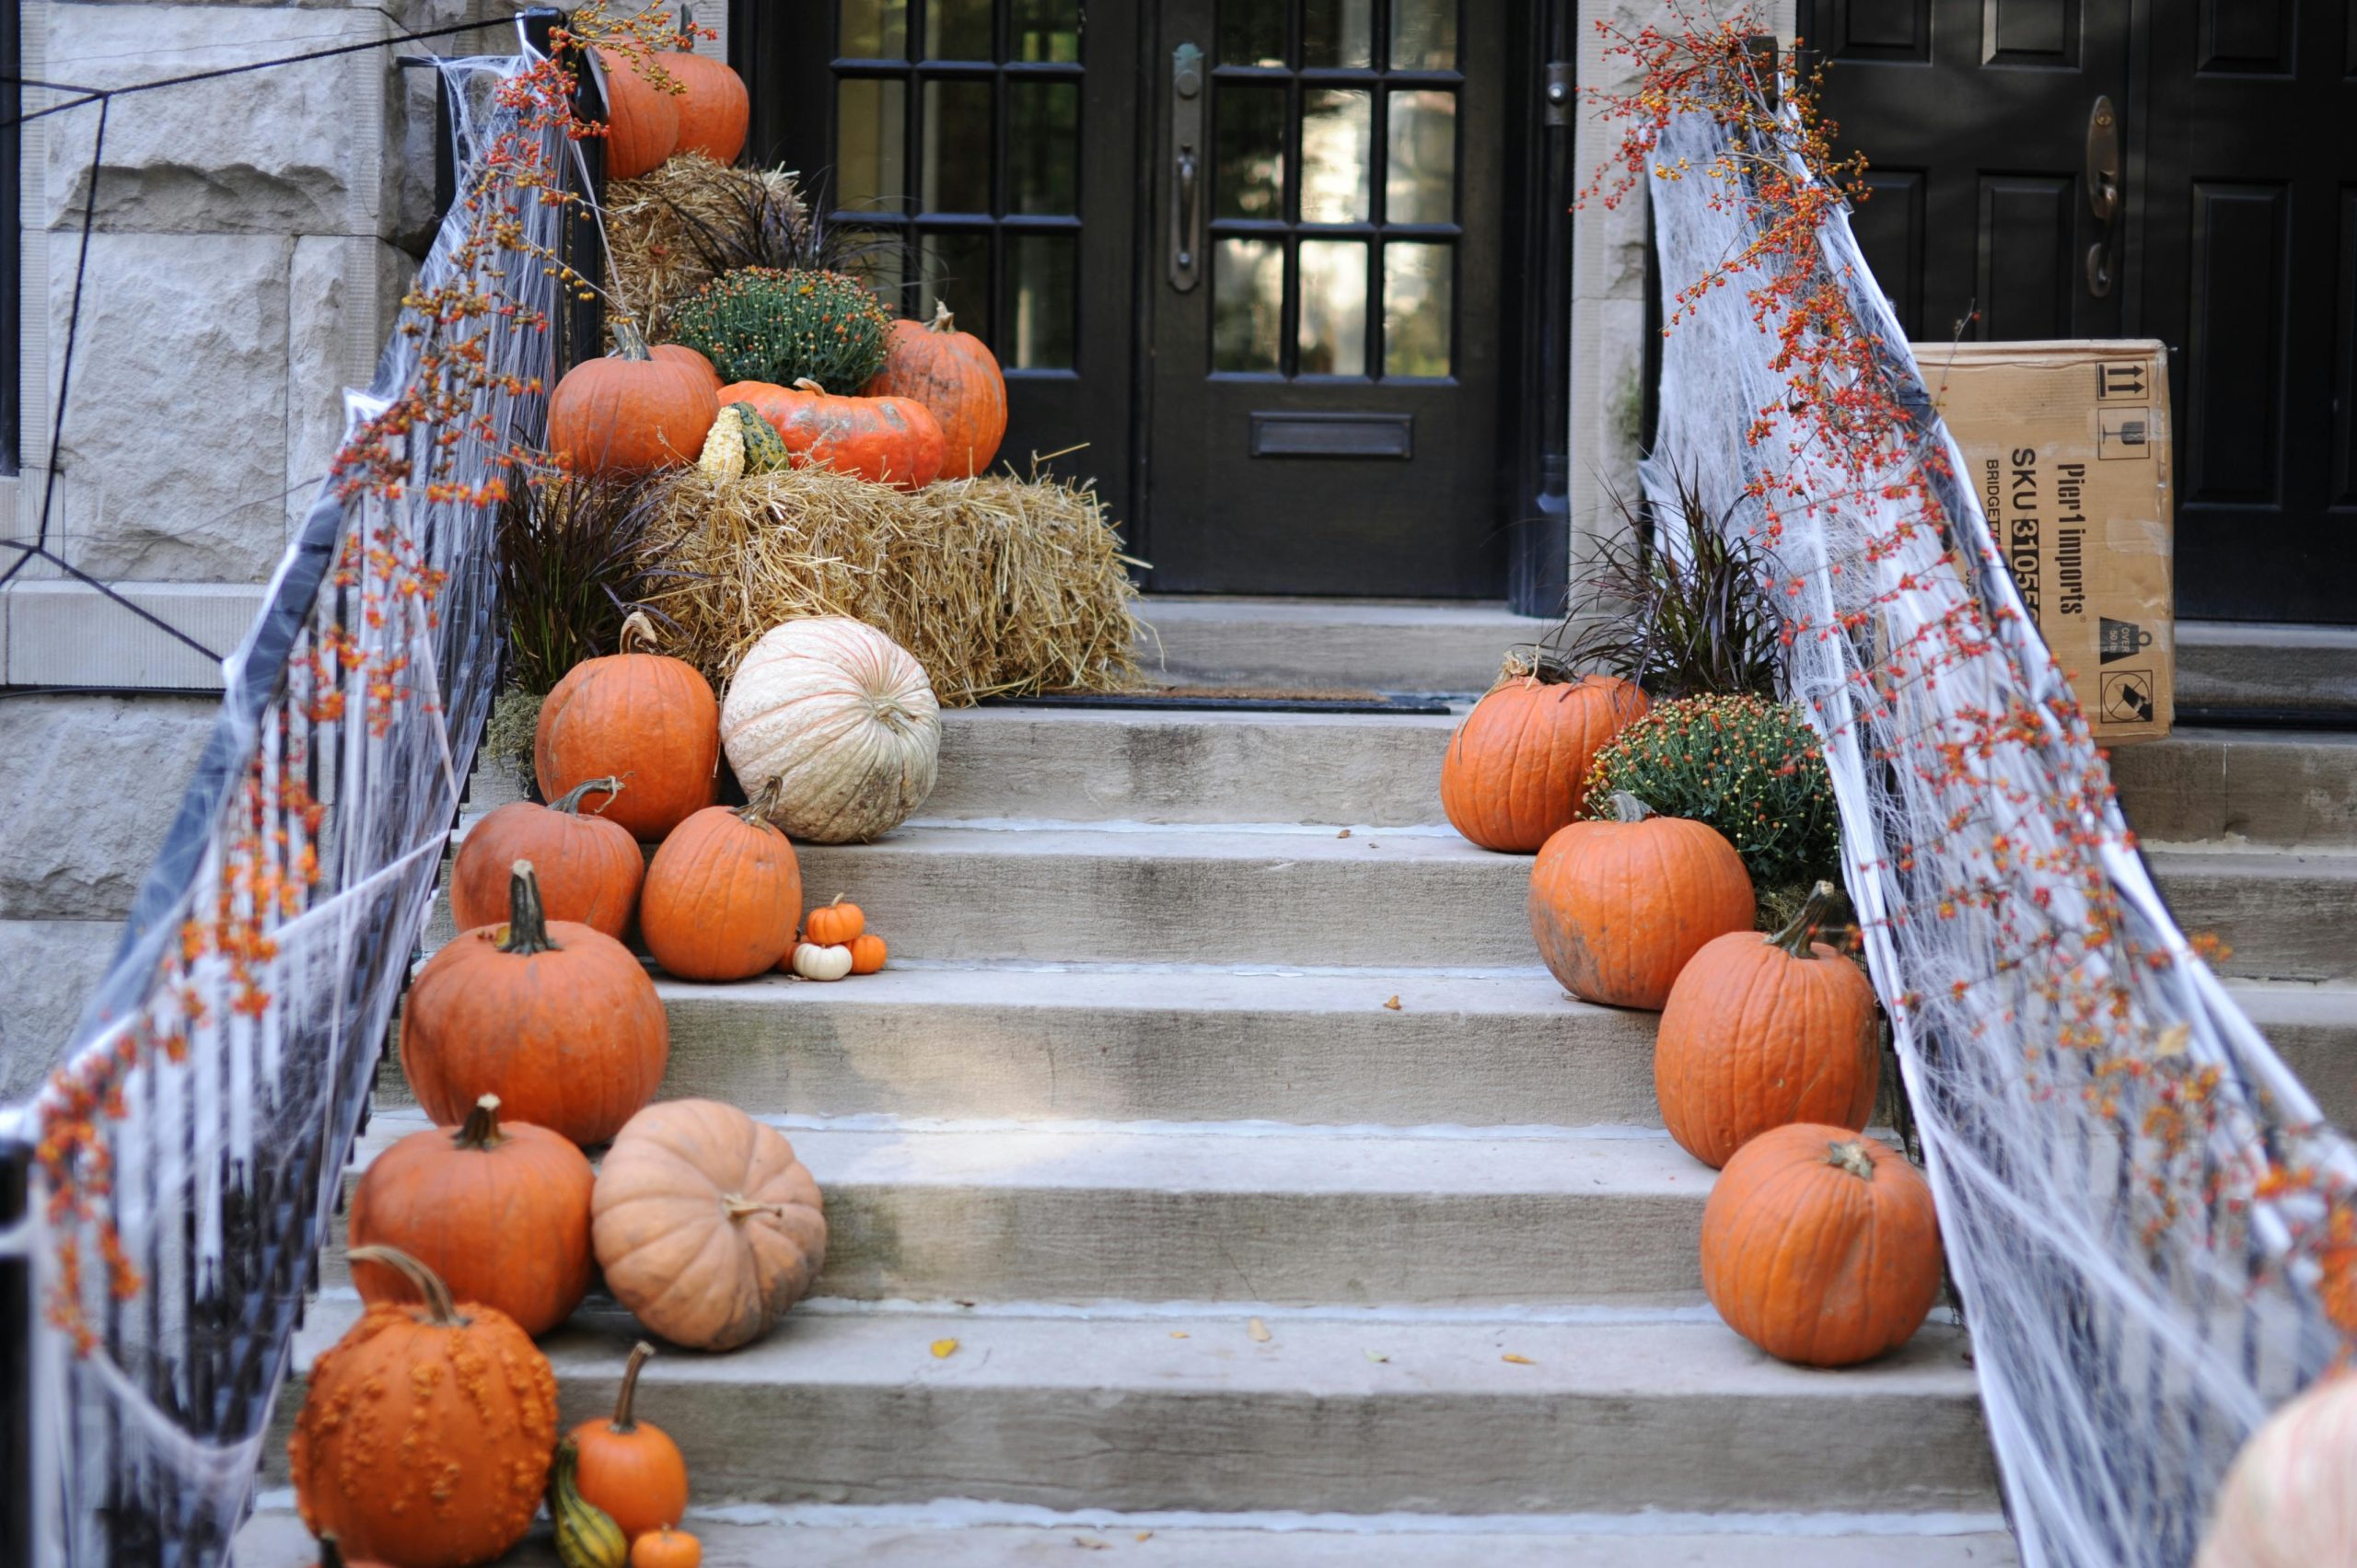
(631, 411)
(1516, 769)
(2287, 1502)
(843, 719)
(643, 119)
(723, 894)
(500, 1213)
(1820, 1245)
(588, 867)
(1763, 1030)
(639, 715)
(1619, 906)
(706, 1224)
(956, 376)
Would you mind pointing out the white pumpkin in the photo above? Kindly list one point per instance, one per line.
(2290, 1499)
(843, 718)
(813, 963)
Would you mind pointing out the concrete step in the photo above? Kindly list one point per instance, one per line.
(2266, 667)
(2314, 1029)
(1365, 645)
(1115, 1043)
(1188, 1408)
(971, 1535)
(1083, 1211)
(2287, 914)
(2286, 787)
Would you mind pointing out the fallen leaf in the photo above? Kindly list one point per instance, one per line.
(944, 1348)
(1178, 1333)
(1145, 1535)
(1091, 1545)
(1372, 1356)
(1258, 1331)
(962, 1302)
(1393, 1003)
(1518, 1359)
(2174, 1040)
(1344, 834)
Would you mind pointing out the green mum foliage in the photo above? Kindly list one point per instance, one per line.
(1746, 765)
(760, 324)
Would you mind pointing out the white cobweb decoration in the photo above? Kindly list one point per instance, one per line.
(2133, 1190)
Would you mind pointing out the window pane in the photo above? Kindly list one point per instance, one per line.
(1338, 32)
(1424, 35)
(1335, 129)
(958, 274)
(871, 128)
(958, 29)
(1047, 30)
(1417, 285)
(1333, 308)
(1250, 179)
(1252, 33)
(875, 30)
(1421, 186)
(877, 260)
(957, 146)
(1043, 301)
(1247, 304)
(1043, 147)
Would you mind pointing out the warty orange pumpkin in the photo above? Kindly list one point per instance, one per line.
(500, 1213)
(723, 894)
(1820, 1245)
(1516, 769)
(1763, 1030)
(1619, 906)
(426, 1430)
(643, 120)
(557, 1019)
(706, 1224)
(628, 1467)
(631, 411)
(957, 377)
(644, 717)
(588, 867)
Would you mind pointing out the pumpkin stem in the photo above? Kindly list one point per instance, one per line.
(482, 1131)
(1626, 808)
(623, 1421)
(528, 920)
(943, 321)
(638, 629)
(1849, 1154)
(805, 384)
(629, 341)
(440, 1311)
(1794, 938)
(1531, 662)
(736, 1206)
(570, 802)
(757, 810)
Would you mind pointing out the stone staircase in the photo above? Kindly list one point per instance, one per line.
(1283, 1210)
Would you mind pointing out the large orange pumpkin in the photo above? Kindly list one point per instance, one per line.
(1763, 1030)
(643, 120)
(500, 1213)
(680, 353)
(714, 110)
(723, 894)
(706, 1224)
(893, 441)
(588, 867)
(426, 1432)
(558, 1020)
(1617, 907)
(631, 1467)
(956, 377)
(644, 717)
(631, 411)
(1820, 1246)
(1516, 769)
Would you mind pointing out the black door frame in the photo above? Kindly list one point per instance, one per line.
(1534, 491)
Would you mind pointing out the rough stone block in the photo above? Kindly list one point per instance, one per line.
(342, 295)
(175, 452)
(102, 777)
(52, 965)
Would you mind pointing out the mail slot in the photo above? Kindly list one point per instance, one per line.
(1333, 435)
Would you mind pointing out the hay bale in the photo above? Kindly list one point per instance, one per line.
(676, 228)
(999, 586)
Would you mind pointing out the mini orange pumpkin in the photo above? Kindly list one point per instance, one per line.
(956, 377)
(723, 894)
(1763, 1030)
(405, 1449)
(558, 1020)
(1820, 1246)
(589, 867)
(867, 953)
(643, 124)
(631, 411)
(501, 1213)
(631, 1467)
(667, 1548)
(833, 925)
(1516, 769)
(893, 441)
(1617, 907)
(643, 716)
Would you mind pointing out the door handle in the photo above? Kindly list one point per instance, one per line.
(1186, 167)
(2104, 195)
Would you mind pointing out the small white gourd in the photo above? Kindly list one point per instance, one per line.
(813, 963)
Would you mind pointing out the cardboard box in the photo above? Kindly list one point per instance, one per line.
(2067, 445)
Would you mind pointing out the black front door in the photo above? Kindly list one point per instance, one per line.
(2233, 238)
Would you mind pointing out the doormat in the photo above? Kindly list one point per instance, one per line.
(1236, 699)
